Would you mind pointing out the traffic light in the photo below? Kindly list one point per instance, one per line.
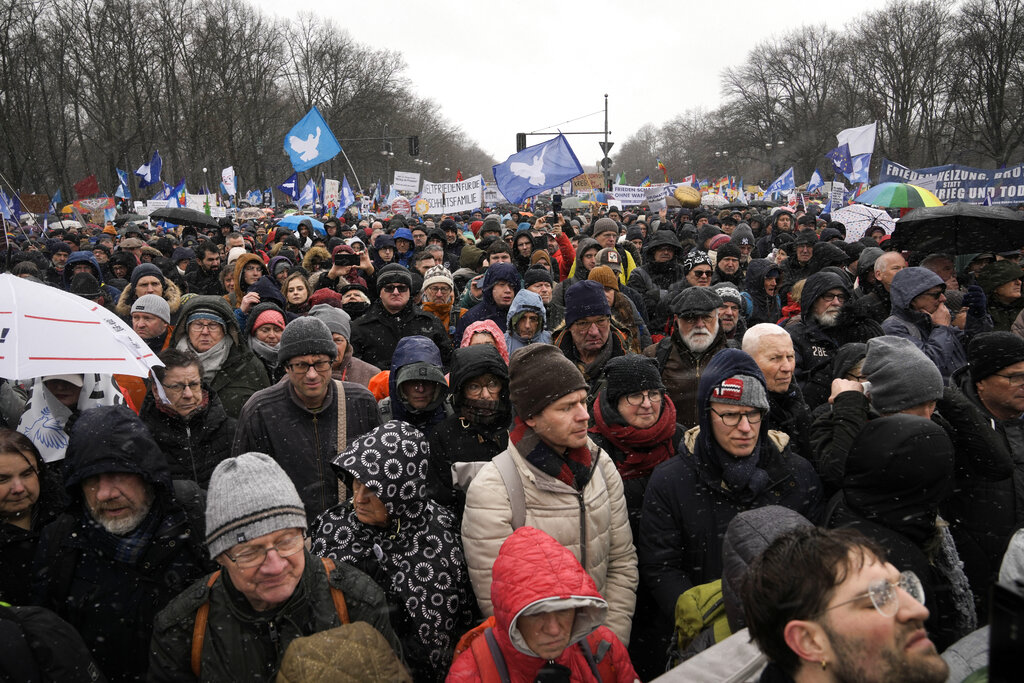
(520, 142)
(414, 145)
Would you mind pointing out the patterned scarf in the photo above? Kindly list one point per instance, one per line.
(644, 448)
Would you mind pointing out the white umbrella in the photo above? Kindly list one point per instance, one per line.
(714, 201)
(858, 218)
(47, 331)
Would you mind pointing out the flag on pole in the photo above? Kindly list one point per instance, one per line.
(290, 186)
(536, 168)
(782, 183)
(310, 142)
(458, 175)
(87, 187)
(646, 182)
(123, 190)
(227, 179)
(308, 195)
(56, 202)
(661, 167)
(860, 142)
(816, 182)
(149, 174)
(347, 197)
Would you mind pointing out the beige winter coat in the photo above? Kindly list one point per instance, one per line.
(554, 507)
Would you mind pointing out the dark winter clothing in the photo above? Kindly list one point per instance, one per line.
(375, 334)
(112, 294)
(681, 371)
(653, 280)
(421, 569)
(111, 587)
(304, 442)
(943, 344)
(194, 445)
(813, 344)
(242, 644)
(412, 351)
(487, 309)
(758, 306)
(693, 496)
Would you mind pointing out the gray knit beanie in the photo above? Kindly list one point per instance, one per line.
(154, 305)
(250, 496)
(305, 336)
(337, 320)
(901, 375)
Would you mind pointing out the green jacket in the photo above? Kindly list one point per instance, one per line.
(244, 645)
(242, 373)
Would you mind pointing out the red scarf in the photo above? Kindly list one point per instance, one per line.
(644, 448)
(571, 467)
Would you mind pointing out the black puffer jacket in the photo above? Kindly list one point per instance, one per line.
(467, 444)
(81, 571)
(195, 445)
(375, 334)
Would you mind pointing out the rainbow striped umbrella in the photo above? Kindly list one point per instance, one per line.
(898, 196)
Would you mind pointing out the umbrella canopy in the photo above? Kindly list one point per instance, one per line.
(129, 218)
(293, 221)
(66, 224)
(762, 204)
(250, 212)
(714, 201)
(47, 331)
(180, 215)
(961, 228)
(858, 218)
(898, 196)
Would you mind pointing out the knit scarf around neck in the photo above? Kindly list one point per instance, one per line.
(644, 448)
(740, 477)
(213, 358)
(572, 467)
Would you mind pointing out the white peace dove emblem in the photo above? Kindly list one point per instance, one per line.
(307, 148)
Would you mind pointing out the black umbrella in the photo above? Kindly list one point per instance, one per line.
(960, 228)
(184, 216)
(128, 218)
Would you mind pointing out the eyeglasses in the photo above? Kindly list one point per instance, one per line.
(701, 273)
(254, 556)
(637, 399)
(841, 298)
(584, 325)
(200, 326)
(439, 289)
(194, 387)
(733, 419)
(1014, 380)
(474, 389)
(301, 367)
(395, 288)
(883, 593)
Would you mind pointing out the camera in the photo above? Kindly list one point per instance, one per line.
(343, 258)
(556, 204)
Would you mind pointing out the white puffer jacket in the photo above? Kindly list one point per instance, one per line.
(606, 552)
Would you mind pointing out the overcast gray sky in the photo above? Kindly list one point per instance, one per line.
(653, 59)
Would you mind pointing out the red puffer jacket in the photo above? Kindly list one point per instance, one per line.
(533, 567)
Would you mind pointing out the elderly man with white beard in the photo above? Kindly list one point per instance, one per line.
(816, 337)
(682, 356)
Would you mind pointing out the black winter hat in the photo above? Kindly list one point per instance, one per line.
(727, 251)
(989, 353)
(696, 300)
(631, 374)
(393, 273)
(535, 274)
(145, 269)
(305, 336)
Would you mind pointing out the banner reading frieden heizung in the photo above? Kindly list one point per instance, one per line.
(449, 197)
(956, 183)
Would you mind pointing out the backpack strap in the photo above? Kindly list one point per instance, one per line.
(594, 649)
(496, 656)
(486, 659)
(339, 398)
(336, 595)
(199, 628)
(662, 352)
(513, 486)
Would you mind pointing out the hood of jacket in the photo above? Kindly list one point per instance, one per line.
(757, 271)
(491, 328)
(113, 439)
(526, 301)
(662, 238)
(272, 264)
(215, 304)
(240, 264)
(815, 286)
(846, 357)
(584, 245)
(746, 537)
(532, 568)
(909, 283)
(497, 273)
(269, 291)
(416, 349)
(81, 257)
(391, 461)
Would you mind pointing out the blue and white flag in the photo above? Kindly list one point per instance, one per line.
(310, 141)
(840, 157)
(6, 206)
(308, 195)
(56, 202)
(123, 190)
(392, 196)
(150, 173)
(227, 180)
(347, 198)
(859, 166)
(537, 168)
(254, 197)
(291, 186)
(782, 183)
(815, 183)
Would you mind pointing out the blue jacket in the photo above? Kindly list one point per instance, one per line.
(943, 344)
(525, 301)
(487, 309)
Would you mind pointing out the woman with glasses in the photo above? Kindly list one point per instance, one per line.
(727, 464)
(407, 544)
(478, 430)
(898, 472)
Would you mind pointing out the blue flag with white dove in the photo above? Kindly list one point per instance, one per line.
(149, 174)
(308, 195)
(348, 197)
(782, 183)
(123, 191)
(816, 182)
(537, 168)
(860, 144)
(840, 157)
(310, 141)
(290, 187)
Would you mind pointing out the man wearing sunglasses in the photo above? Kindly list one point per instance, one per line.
(237, 623)
(919, 314)
(826, 606)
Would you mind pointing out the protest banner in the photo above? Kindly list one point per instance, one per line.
(492, 195)
(332, 192)
(657, 197)
(402, 206)
(588, 181)
(836, 195)
(957, 183)
(629, 195)
(406, 182)
(464, 195)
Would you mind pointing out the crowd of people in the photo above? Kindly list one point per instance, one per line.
(501, 446)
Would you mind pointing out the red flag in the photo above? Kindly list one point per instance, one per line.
(87, 187)
(458, 175)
